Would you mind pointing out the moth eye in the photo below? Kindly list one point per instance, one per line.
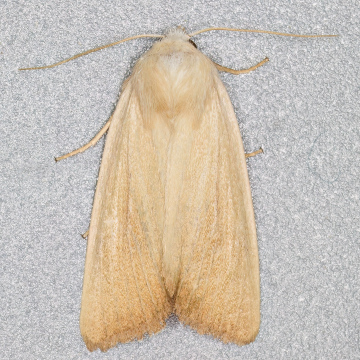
(191, 42)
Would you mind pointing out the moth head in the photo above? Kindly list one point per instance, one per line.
(179, 32)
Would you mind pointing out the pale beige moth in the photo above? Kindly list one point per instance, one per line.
(172, 228)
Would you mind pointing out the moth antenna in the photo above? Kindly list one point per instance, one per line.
(257, 31)
(93, 50)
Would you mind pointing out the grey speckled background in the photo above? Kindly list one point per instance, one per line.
(302, 107)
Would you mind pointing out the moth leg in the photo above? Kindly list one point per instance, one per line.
(92, 142)
(254, 153)
(85, 234)
(245, 71)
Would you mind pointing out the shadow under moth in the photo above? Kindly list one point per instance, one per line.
(172, 228)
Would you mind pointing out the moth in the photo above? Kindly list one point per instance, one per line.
(172, 227)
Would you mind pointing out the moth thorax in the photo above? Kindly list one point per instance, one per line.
(173, 83)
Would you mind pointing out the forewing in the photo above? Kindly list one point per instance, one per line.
(219, 291)
(123, 294)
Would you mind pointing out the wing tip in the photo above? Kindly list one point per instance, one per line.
(227, 332)
(98, 341)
